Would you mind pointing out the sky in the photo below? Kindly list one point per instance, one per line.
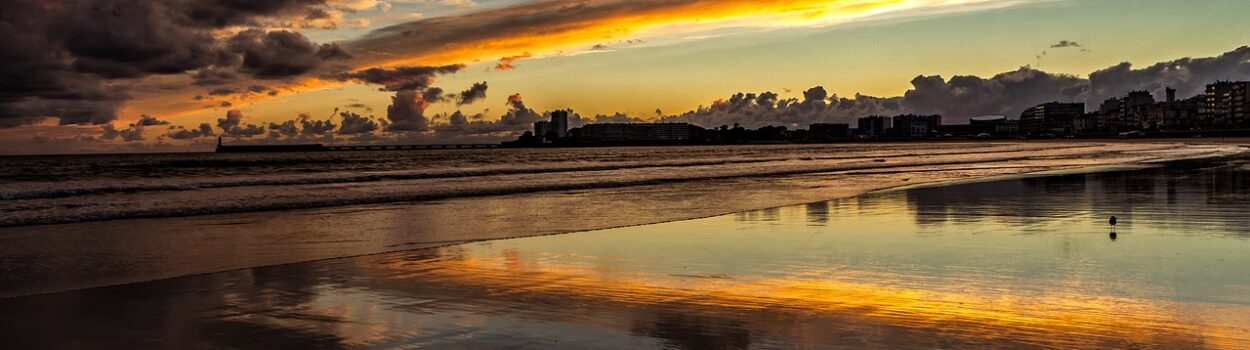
(173, 75)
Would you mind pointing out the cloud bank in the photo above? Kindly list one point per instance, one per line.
(78, 60)
(964, 96)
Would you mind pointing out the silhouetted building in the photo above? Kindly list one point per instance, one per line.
(1226, 106)
(1240, 97)
(1051, 118)
(1176, 115)
(641, 133)
(1135, 110)
(560, 124)
(1087, 123)
(828, 131)
(873, 126)
(996, 125)
(543, 131)
(1128, 113)
(911, 125)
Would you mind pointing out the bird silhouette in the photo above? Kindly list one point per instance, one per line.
(1113, 221)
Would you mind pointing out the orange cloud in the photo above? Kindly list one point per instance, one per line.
(550, 26)
(506, 63)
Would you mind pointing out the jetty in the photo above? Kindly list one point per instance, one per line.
(317, 147)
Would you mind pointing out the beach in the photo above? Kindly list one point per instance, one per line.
(1009, 261)
(281, 209)
(90, 221)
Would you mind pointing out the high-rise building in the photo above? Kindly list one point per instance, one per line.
(1053, 117)
(1135, 110)
(873, 126)
(1241, 104)
(542, 130)
(560, 124)
(1226, 104)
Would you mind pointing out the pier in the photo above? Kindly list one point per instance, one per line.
(408, 147)
(223, 148)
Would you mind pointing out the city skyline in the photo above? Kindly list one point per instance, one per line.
(498, 89)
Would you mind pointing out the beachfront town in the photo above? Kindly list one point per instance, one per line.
(1222, 110)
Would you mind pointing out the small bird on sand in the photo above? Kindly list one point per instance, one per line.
(1113, 222)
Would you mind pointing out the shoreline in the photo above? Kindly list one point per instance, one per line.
(430, 244)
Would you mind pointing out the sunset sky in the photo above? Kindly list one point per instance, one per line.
(171, 75)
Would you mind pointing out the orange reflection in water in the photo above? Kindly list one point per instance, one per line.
(816, 312)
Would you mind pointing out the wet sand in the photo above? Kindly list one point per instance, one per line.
(51, 258)
(1017, 263)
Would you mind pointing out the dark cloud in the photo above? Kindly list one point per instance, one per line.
(407, 112)
(223, 91)
(250, 90)
(180, 133)
(131, 134)
(961, 97)
(1003, 94)
(768, 108)
(1065, 43)
(433, 95)
(37, 74)
(129, 38)
(214, 77)
(287, 128)
(147, 120)
(402, 78)
(359, 105)
(457, 118)
(76, 60)
(223, 13)
(518, 114)
(576, 120)
(303, 127)
(1189, 76)
(472, 94)
(281, 54)
(355, 124)
(232, 125)
(413, 93)
(134, 132)
(309, 127)
(517, 119)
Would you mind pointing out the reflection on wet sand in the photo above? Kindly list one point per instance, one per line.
(1013, 264)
